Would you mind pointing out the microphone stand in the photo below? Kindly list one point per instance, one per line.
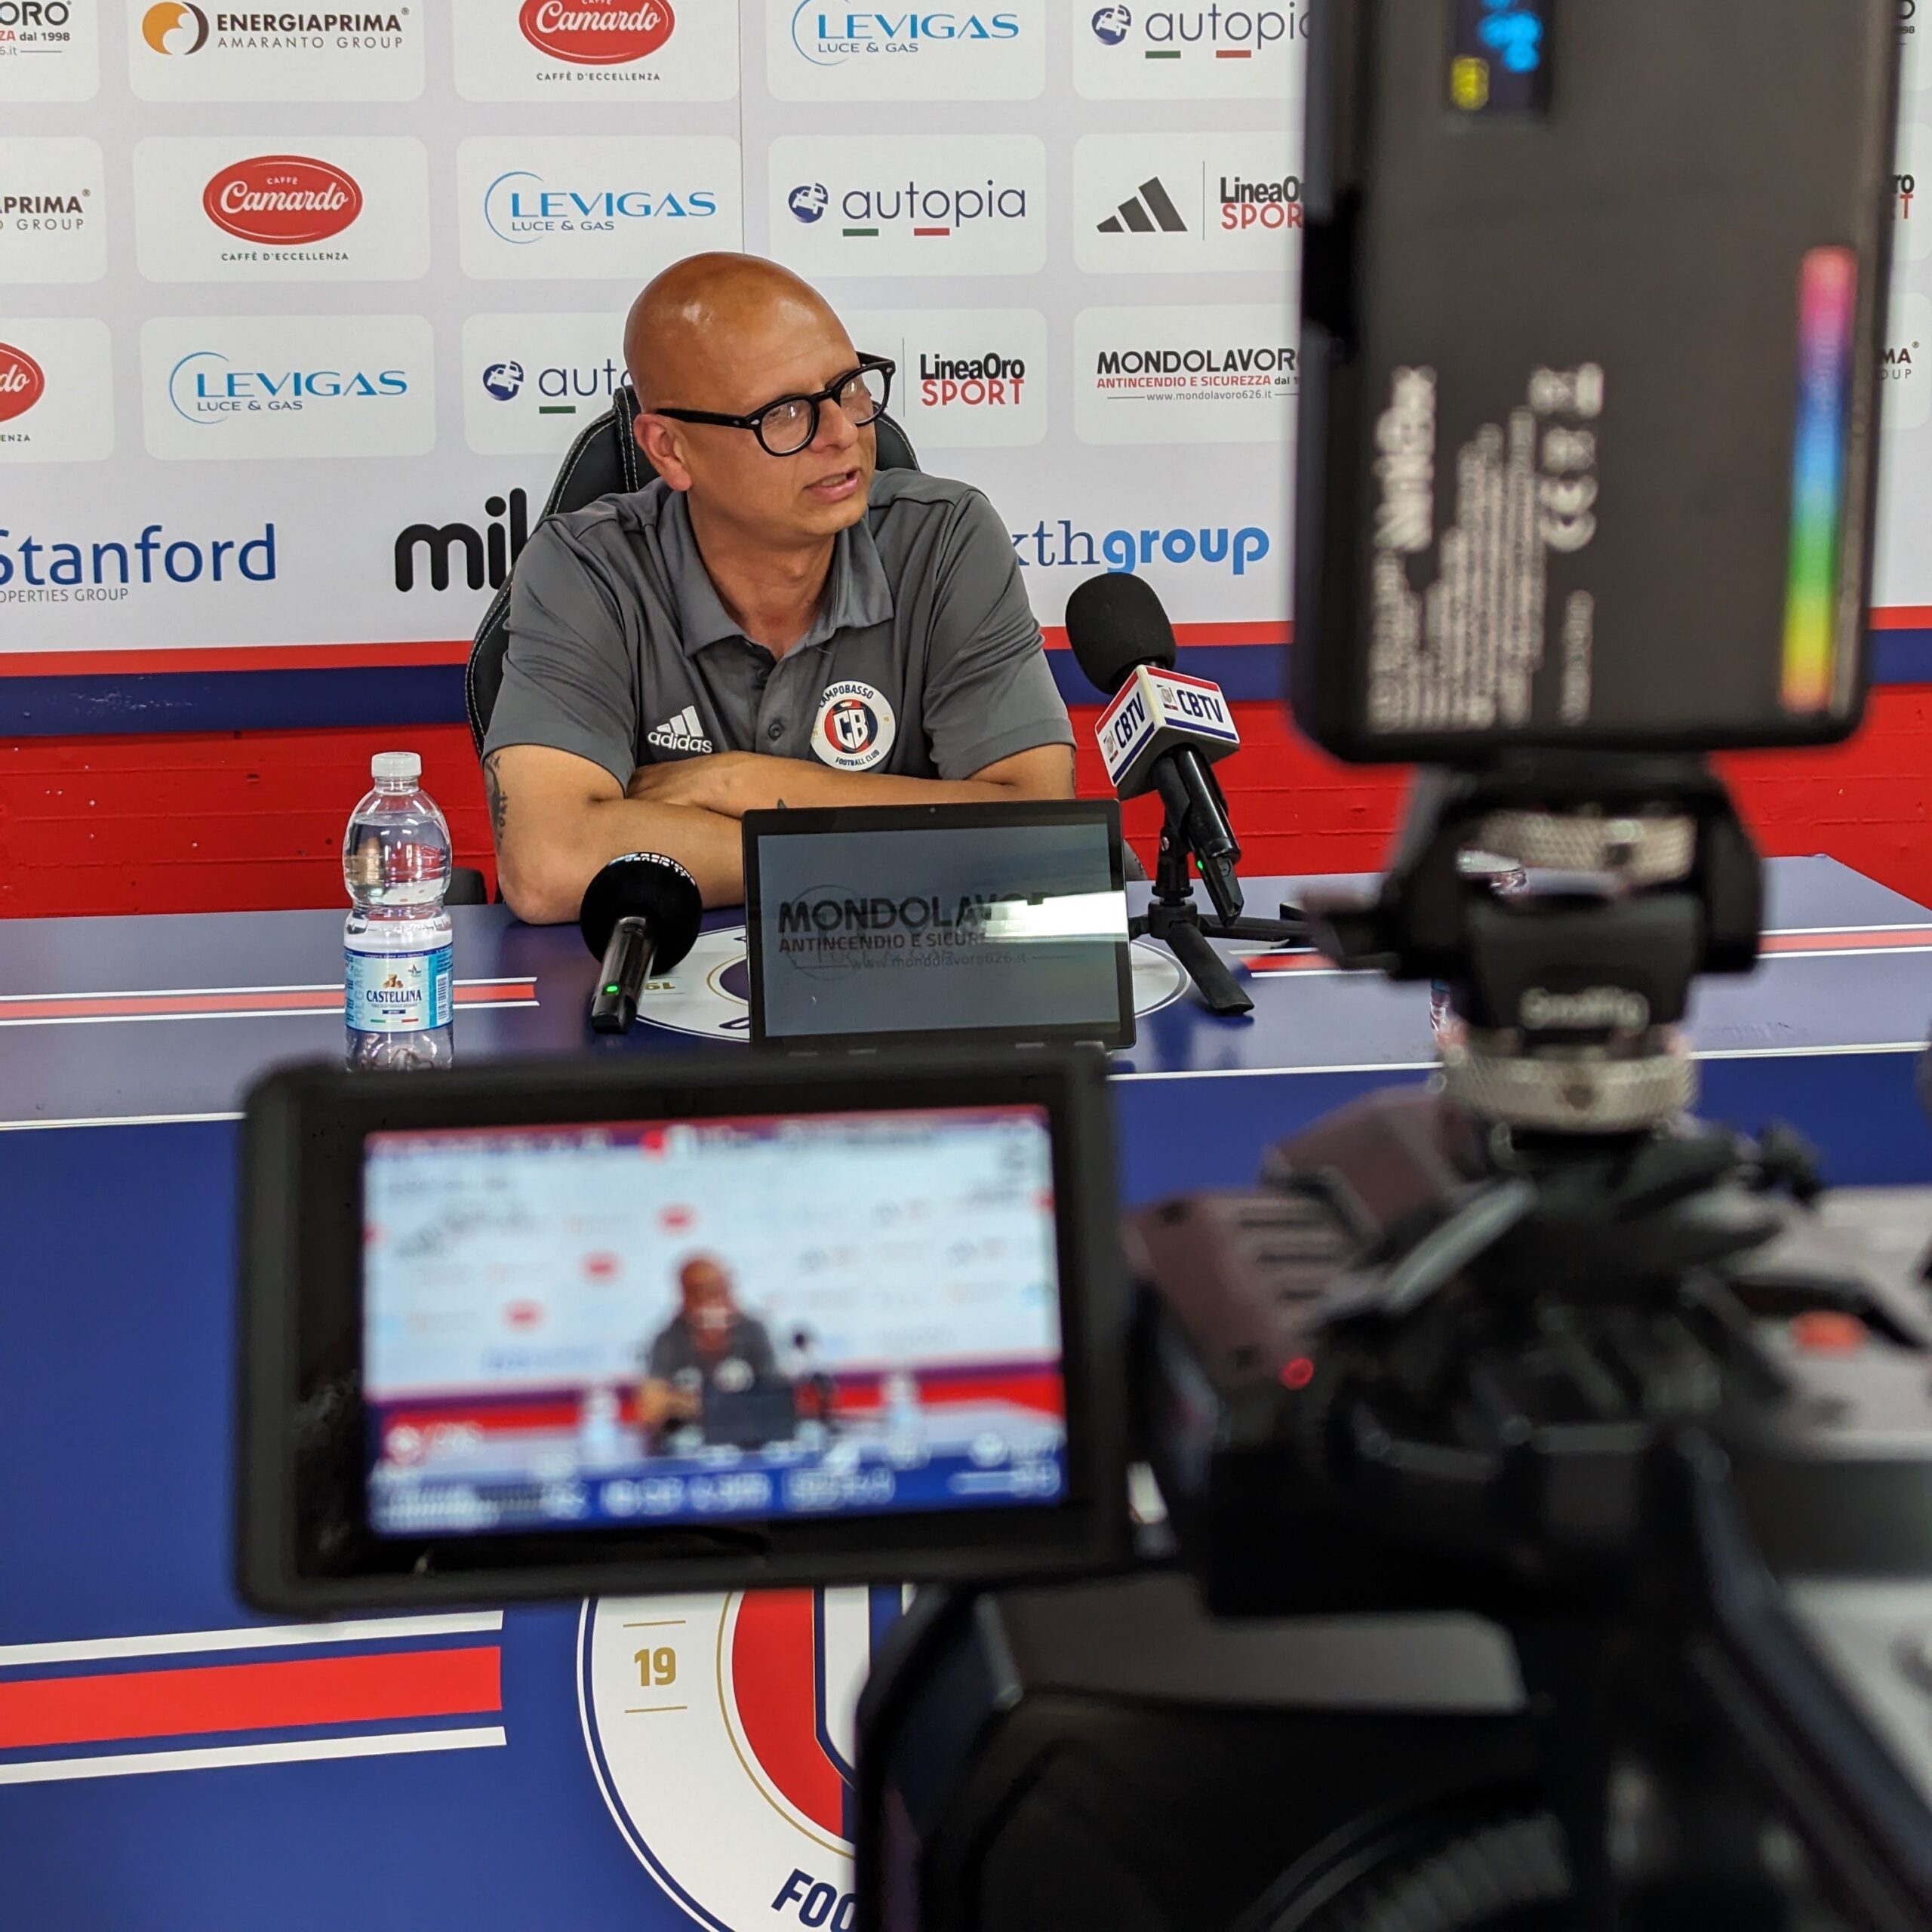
(1173, 918)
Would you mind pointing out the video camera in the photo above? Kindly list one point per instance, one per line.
(1529, 1485)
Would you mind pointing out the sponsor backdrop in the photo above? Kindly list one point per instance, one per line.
(302, 307)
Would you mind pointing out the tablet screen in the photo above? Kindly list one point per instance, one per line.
(1019, 928)
(728, 1319)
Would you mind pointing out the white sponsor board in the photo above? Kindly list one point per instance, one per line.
(181, 49)
(53, 211)
(218, 389)
(1189, 375)
(1912, 241)
(50, 50)
(914, 205)
(594, 207)
(57, 392)
(968, 378)
(596, 50)
(1907, 396)
(1186, 204)
(531, 383)
(830, 50)
(1213, 51)
(282, 207)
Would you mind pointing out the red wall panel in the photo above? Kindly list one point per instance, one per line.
(207, 821)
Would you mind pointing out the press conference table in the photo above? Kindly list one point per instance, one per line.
(169, 1762)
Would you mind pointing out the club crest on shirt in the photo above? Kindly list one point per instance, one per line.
(720, 1730)
(855, 726)
(709, 993)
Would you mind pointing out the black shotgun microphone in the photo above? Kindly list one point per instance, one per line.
(640, 916)
(1116, 626)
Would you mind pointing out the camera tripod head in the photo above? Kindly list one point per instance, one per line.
(1569, 996)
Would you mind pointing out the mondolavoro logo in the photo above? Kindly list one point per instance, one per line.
(283, 200)
(597, 33)
(23, 382)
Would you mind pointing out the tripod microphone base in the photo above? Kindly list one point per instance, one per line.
(1184, 938)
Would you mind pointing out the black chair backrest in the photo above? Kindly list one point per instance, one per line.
(603, 459)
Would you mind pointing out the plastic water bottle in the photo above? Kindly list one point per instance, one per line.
(397, 989)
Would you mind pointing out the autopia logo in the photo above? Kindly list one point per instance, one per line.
(596, 33)
(1217, 32)
(521, 207)
(560, 388)
(829, 37)
(925, 209)
(207, 387)
(284, 200)
(23, 382)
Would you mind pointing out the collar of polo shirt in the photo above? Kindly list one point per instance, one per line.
(857, 594)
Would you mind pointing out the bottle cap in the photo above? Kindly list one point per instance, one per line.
(396, 765)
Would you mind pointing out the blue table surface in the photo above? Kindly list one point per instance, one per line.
(1853, 977)
(116, 1266)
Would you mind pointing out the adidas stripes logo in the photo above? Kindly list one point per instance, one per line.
(1142, 213)
(681, 733)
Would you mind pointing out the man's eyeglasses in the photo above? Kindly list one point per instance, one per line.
(785, 427)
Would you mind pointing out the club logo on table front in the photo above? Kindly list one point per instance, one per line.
(855, 728)
(596, 33)
(22, 383)
(720, 1730)
(283, 199)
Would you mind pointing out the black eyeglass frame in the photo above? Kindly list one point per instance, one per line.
(754, 422)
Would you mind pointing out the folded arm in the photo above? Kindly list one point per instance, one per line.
(558, 819)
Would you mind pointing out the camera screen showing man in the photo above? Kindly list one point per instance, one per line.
(733, 1318)
(710, 1370)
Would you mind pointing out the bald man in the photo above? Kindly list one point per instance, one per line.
(709, 1343)
(774, 621)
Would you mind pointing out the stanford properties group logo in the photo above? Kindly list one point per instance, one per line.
(282, 200)
(23, 382)
(597, 33)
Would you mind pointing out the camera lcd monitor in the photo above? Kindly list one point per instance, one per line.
(536, 1328)
(711, 1320)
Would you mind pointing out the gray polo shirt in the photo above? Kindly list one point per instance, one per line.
(925, 660)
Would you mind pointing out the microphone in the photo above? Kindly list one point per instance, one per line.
(1163, 731)
(640, 916)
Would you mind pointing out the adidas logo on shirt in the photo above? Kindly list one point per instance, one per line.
(681, 733)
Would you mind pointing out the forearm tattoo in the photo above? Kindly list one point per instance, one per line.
(493, 790)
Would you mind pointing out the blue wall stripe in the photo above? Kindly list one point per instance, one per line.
(432, 694)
